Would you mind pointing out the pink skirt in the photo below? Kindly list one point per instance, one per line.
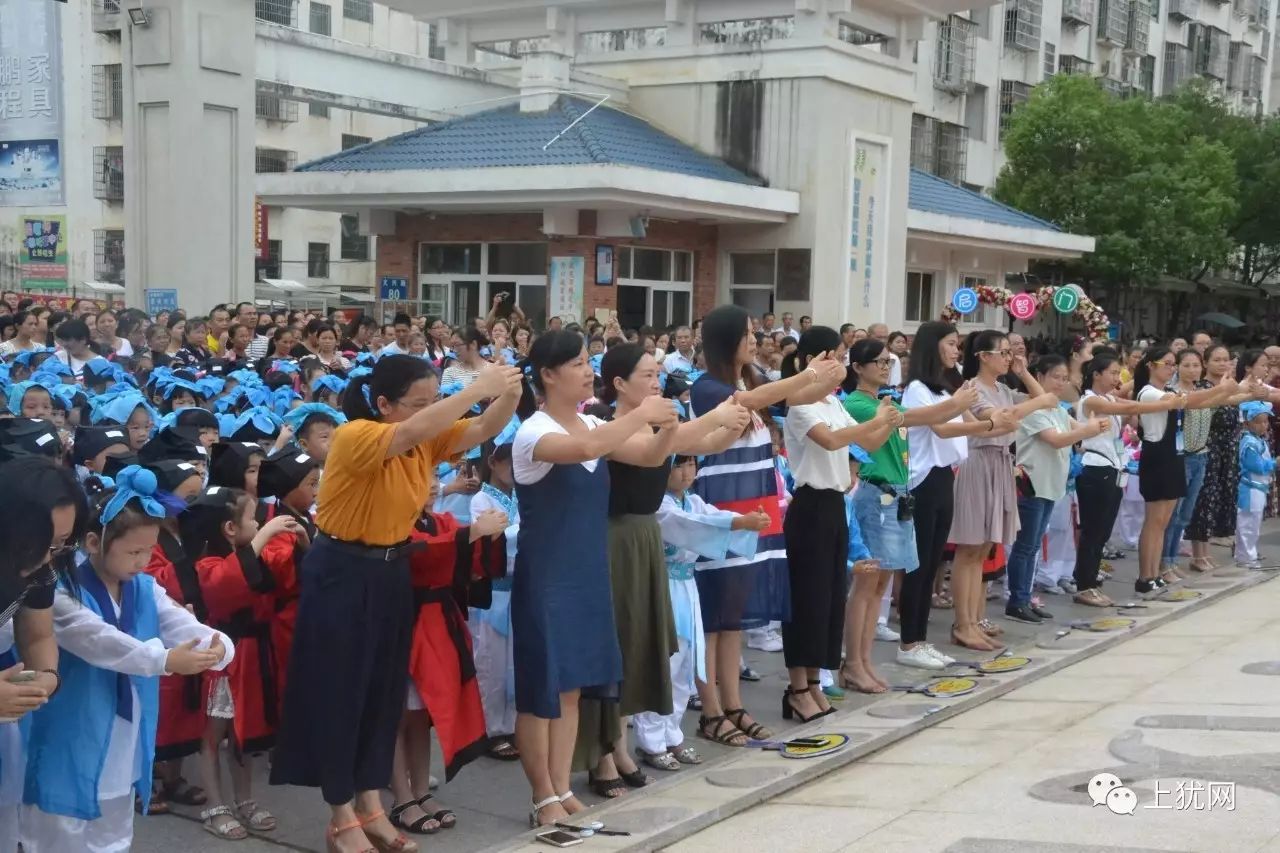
(986, 499)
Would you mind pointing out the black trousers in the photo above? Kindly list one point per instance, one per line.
(1098, 495)
(348, 674)
(935, 503)
(817, 536)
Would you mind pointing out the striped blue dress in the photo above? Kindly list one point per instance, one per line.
(738, 593)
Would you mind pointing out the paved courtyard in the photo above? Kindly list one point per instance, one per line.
(1011, 773)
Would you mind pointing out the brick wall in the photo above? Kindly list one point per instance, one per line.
(397, 255)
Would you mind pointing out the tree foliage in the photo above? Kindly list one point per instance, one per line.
(1156, 191)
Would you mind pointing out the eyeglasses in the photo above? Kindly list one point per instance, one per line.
(884, 362)
(1003, 353)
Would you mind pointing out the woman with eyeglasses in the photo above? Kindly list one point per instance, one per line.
(1162, 476)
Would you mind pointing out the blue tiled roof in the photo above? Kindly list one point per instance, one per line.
(508, 137)
(931, 194)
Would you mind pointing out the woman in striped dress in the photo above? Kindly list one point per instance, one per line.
(738, 593)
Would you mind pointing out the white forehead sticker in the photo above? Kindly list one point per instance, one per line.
(45, 439)
(302, 459)
(114, 433)
(187, 466)
(200, 449)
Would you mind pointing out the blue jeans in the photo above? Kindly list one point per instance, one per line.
(1033, 519)
(1196, 464)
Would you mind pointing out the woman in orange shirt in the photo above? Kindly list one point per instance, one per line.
(345, 691)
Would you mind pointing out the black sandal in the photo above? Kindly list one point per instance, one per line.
(418, 827)
(445, 817)
(609, 789)
(830, 709)
(711, 729)
(184, 793)
(503, 750)
(755, 731)
(635, 779)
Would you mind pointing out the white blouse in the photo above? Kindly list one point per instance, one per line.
(528, 471)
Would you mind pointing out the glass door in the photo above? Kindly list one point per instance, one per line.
(466, 303)
(533, 302)
(670, 308)
(633, 306)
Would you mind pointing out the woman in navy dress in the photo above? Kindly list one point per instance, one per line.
(561, 599)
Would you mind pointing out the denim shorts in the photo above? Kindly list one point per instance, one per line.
(891, 541)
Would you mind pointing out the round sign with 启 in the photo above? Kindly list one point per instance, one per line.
(1022, 306)
(1066, 299)
(965, 300)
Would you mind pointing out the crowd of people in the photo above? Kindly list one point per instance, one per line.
(268, 534)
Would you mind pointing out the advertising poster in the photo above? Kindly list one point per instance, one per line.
(42, 254)
(31, 167)
(868, 200)
(565, 286)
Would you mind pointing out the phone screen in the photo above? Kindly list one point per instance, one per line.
(559, 838)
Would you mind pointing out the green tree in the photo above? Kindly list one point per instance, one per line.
(1139, 176)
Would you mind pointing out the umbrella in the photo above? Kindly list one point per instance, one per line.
(1222, 320)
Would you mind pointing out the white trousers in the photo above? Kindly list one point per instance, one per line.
(657, 733)
(9, 828)
(1248, 526)
(1058, 558)
(110, 833)
(494, 662)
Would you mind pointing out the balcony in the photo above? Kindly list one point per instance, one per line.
(106, 16)
(108, 92)
(1138, 29)
(1261, 16)
(953, 61)
(1239, 66)
(108, 255)
(1183, 10)
(275, 108)
(1178, 66)
(1113, 22)
(938, 147)
(1013, 93)
(1074, 65)
(1077, 13)
(108, 173)
(1022, 25)
(1257, 73)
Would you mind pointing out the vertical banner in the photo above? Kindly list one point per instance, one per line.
(42, 255)
(565, 297)
(260, 235)
(31, 153)
(868, 214)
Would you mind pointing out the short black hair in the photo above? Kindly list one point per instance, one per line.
(72, 330)
(402, 319)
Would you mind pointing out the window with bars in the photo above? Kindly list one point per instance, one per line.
(1068, 64)
(938, 147)
(275, 108)
(747, 30)
(108, 255)
(358, 10)
(953, 60)
(1050, 59)
(1013, 93)
(355, 246)
(1257, 73)
(270, 160)
(1077, 13)
(435, 50)
(276, 11)
(1178, 66)
(861, 36)
(352, 140)
(617, 41)
(317, 260)
(270, 268)
(108, 92)
(321, 19)
(1147, 75)
(108, 173)
(106, 16)
(1138, 32)
(1210, 49)
(1022, 24)
(1183, 10)
(1113, 21)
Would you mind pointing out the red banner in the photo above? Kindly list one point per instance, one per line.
(260, 230)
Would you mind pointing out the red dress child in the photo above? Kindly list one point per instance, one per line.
(181, 725)
(283, 558)
(450, 573)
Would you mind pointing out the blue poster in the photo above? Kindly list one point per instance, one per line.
(393, 289)
(161, 299)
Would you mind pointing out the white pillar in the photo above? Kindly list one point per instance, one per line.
(189, 150)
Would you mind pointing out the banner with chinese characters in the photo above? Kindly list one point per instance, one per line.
(260, 237)
(565, 285)
(867, 218)
(42, 253)
(31, 168)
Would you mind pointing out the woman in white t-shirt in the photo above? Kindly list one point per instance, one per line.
(1162, 476)
(561, 601)
(816, 526)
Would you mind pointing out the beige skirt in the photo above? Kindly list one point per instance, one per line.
(986, 508)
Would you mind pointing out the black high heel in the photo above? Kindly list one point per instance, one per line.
(789, 711)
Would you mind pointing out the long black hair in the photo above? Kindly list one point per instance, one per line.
(813, 343)
(618, 363)
(926, 364)
(26, 521)
(722, 332)
(392, 377)
(551, 351)
(1142, 373)
(1090, 369)
(1246, 360)
(976, 344)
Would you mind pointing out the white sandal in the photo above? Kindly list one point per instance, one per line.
(230, 830)
(259, 820)
(537, 809)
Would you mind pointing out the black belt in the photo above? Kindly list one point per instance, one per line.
(884, 487)
(368, 552)
(454, 623)
(243, 626)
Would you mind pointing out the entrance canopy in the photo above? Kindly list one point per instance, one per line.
(575, 155)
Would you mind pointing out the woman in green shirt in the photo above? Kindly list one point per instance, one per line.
(882, 506)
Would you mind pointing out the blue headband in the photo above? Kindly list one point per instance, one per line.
(329, 382)
(298, 417)
(1251, 409)
(133, 483)
(120, 407)
(19, 390)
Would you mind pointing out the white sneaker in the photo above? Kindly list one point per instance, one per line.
(886, 634)
(947, 660)
(919, 657)
(764, 640)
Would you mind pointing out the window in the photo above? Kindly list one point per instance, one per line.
(651, 264)
(108, 173)
(953, 60)
(276, 12)
(938, 147)
(1012, 95)
(274, 108)
(317, 260)
(518, 258)
(435, 50)
(975, 113)
(351, 140)
(108, 92)
(457, 281)
(355, 246)
(1113, 21)
(987, 315)
(655, 286)
(752, 276)
(270, 268)
(108, 255)
(439, 258)
(269, 160)
(919, 297)
(358, 10)
(794, 274)
(1050, 59)
(318, 110)
(747, 30)
(321, 19)
(1022, 25)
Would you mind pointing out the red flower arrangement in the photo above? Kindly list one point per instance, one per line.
(1095, 319)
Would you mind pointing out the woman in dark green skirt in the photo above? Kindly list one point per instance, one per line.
(638, 573)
